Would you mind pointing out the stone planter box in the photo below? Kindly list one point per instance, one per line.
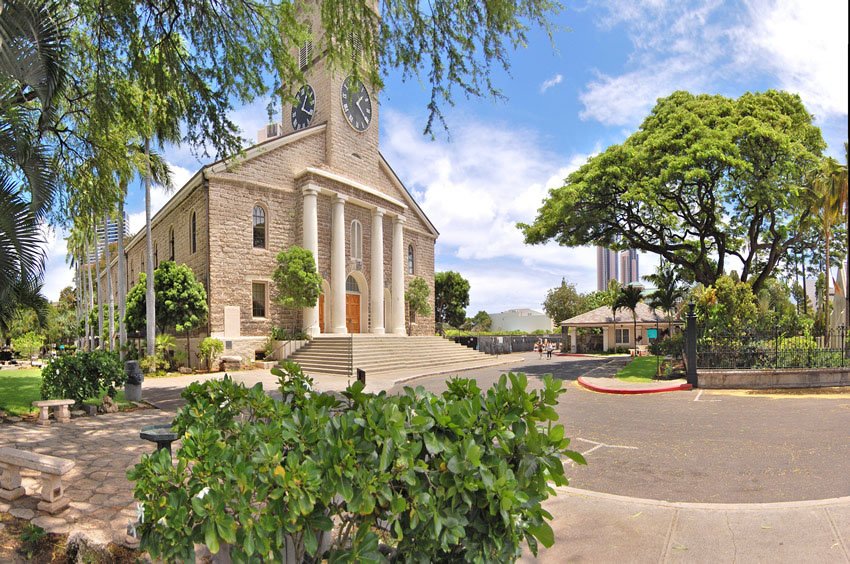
(779, 378)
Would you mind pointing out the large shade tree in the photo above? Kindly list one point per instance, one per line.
(451, 297)
(705, 179)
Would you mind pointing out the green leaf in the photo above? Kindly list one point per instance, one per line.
(556, 434)
(210, 537)
(543, 533)
(575, 456)
(432, 443)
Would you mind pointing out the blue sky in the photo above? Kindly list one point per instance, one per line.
(564, 103)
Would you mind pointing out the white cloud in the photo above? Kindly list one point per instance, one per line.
(159, 197)
(805, 44)
(475, 189)
(57, 273)
(549, 83)
(704, 46)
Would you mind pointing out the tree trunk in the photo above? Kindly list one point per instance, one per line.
(78, 279)
(111, 299)
(89, 328)
(826, 281)
(122, 277)
(99, 292)
(805, 290)
(150, 310)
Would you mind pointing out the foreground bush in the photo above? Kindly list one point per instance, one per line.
(81, 376)
(456, 476)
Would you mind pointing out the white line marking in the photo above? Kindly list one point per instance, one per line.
(700, 394)
(598, 445)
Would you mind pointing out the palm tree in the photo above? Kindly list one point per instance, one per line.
(628, 298)
(32, 45)
(828, 183)
(668, 293)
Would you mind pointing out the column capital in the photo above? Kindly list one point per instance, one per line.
(399, 219)
(310, 189)
(342, 198)
(378, 212)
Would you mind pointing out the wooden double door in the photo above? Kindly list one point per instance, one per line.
(352, 313)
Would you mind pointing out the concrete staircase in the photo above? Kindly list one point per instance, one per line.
(377, 354)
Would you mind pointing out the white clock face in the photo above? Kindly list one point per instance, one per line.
(356, 104)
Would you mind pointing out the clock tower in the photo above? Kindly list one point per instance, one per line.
(347, 106)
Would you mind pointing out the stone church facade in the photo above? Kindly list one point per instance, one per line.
(318, 181)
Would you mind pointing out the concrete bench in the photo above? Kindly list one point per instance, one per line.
(51, 468)
(60, 407)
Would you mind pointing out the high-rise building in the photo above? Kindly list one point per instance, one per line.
(629, 273)
(606, 267)
(111, 235)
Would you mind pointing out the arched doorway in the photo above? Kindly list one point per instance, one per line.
(352, 305)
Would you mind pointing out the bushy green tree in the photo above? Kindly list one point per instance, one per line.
(210, 348)
(297, 282)
(28, 344)
(451, 296)
(564, 302)
(416, 298)
(727, 307)
(481, 321)
(704, 180)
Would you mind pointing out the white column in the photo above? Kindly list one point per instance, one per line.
(377, 274)
(573, 343)
(338, 266)
(605, 332)
(311, 243)
(397, 288)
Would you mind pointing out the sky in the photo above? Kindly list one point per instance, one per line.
(567, 99)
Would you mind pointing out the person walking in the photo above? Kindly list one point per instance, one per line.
(549, 348)
(538, 346)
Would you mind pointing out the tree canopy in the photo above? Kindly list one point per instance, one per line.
(704, 179)
(181, 301)
(564, 302)
(451, 296)
(296, 279)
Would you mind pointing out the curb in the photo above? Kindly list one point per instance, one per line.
(626, 391)
(758, 506)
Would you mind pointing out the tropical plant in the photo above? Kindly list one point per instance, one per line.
(563, 302)
(448, 478)
(210, 348)
(629, 298)
(669, 291)
(33, 40)
(28, 344)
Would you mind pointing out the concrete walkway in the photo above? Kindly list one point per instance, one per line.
(598, 527)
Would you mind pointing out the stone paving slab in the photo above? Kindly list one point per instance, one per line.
(103, 448)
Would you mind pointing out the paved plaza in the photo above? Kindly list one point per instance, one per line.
(679, 476)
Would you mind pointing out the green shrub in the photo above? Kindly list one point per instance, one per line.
(83, 375)
(669, 346)
(210, 348)
(450, 477)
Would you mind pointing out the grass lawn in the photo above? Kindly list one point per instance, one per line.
(18, 389)
(640, 369)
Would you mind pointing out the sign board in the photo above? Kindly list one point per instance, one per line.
(652, 333)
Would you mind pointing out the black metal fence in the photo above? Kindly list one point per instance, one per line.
(760, 350)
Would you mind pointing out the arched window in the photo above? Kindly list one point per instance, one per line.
(171, 244)
(259, 227)
(193, 234)
(156, 255)
(351, 285)
(410, 259)
(356, 240)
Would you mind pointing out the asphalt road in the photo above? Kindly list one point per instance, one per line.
(697, 446)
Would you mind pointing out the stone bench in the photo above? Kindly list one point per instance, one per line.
(51, 468)
(60, 407)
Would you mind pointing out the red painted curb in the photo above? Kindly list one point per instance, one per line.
(677, 388)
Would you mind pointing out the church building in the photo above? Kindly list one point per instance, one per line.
(317, 180)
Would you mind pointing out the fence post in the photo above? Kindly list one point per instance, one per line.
(691, 346)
